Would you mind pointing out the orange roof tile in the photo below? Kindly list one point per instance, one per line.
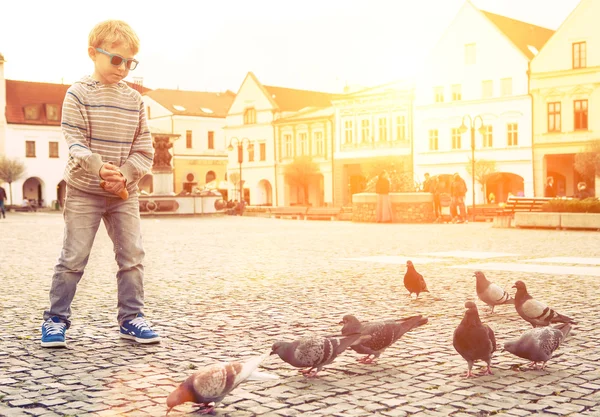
(24, 93)
(193, 103)
(290, 99)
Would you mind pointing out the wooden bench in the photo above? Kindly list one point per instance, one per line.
(323, 213)
(485, 212)
(293, 212)
(528, 204)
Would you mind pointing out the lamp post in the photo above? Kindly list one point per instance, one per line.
(462, 129)
(240, 149)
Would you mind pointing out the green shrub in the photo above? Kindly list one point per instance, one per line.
(559, 205)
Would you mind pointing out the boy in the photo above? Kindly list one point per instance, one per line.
(104, 124)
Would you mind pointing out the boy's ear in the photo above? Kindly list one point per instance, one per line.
(92, 53)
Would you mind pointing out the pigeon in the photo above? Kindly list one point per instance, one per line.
(490, 293)
(212, 383)
(413, 281)
(538, 344)
(383, 334)
(536, 312)
(314, 352)
(474, 340)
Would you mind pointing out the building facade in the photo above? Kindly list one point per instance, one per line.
(565, 86)
(478, 74)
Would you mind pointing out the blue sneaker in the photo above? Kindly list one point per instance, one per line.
(139, 330)
(53, 333)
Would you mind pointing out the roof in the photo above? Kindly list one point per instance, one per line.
(290, 99)
(20, 94)
(193, 103)
(308, 113)
(2, 58)
(521, 34)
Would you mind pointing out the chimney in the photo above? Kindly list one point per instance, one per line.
(138, 84)
(2, 107)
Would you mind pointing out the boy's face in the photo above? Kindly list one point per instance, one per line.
(104, 70)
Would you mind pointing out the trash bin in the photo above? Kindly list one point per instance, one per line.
(55, 205)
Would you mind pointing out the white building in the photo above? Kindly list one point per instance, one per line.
(565, 85)
(250, 126)
(479, 68)
(198, 118)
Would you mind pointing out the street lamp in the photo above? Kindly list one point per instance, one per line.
(240, 148)
(462, 129)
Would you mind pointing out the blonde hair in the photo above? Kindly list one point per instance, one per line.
(114, 32)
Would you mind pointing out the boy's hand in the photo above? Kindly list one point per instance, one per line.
(110, 173)
(113, 181)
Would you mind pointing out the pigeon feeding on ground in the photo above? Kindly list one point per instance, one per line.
(314, 352)
(383, 334)
(413, 281)
(212, 383)
(490, 293)
(474, 340)
(538, 344)
(536, 312)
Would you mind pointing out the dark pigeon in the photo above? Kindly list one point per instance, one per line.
(474, 340)
(536, 312)
(413, 281)
(538, 344)
(383, 334)
(490, 293)
(314, 352)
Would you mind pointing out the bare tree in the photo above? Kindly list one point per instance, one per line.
(587, 163)
(483, 169)
(11, 170)
(398, 169)
(300, 172)
(234, 178)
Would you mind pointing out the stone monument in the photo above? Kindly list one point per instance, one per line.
(162, 170)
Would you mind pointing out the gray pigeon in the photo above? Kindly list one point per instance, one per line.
(383, 334)
(474, 340)
(538, 344)
(314, 352)
(490, 293)
(212, 383)
(536, 312)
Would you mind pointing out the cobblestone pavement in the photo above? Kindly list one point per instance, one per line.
(228, 287)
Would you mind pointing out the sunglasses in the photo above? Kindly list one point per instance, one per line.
(117, 60)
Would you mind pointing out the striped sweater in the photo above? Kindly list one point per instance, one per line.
(105, 123)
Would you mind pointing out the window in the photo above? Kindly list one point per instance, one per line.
(53, 150)
(148, 114)
(303, 144)
(400, 128)
(488, 137)
(506, 86)
(262, 151)
(383, 129)
(52, 112)
(487, 89)
(456, 92)
(512, 130)
(579, 55)
(470, 54)
(250, 152)
(439, 94)
(456, 136)
(211, 139)
(30, 149)
(188, 139)
(32, 112)
(250, 116)
(289, 146)
(433, 140)
(554, 117)
(365, 125)
(348, 131)
(319, 144)
(581, 114)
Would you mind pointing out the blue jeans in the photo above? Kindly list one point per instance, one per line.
(82, 214)
(2, 210)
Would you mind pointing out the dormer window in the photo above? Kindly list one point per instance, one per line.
(250, 116)
(52, 112)
(32, 112)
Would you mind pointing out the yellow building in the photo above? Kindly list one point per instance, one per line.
(565, 86)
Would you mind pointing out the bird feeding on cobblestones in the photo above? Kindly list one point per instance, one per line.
(490, 293)
(413, 281)
(474, 340)
(212, 383)
(383, 334)
(538, 344)
(536, 312)
(315, 352)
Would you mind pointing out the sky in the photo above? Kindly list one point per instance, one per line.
(208, 45)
